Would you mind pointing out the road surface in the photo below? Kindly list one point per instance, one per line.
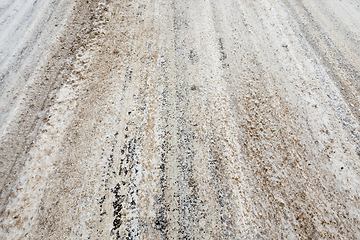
(142, 119)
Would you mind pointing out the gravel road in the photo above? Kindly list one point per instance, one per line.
(143, 119)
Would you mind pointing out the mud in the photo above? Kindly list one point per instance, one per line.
(180, 120)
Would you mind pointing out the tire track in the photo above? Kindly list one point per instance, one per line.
(190, 120)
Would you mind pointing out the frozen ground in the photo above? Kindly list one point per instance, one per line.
(145, 119)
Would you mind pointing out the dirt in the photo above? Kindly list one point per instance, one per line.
(180, 119)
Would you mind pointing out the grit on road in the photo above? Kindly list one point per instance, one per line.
(143, 119)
